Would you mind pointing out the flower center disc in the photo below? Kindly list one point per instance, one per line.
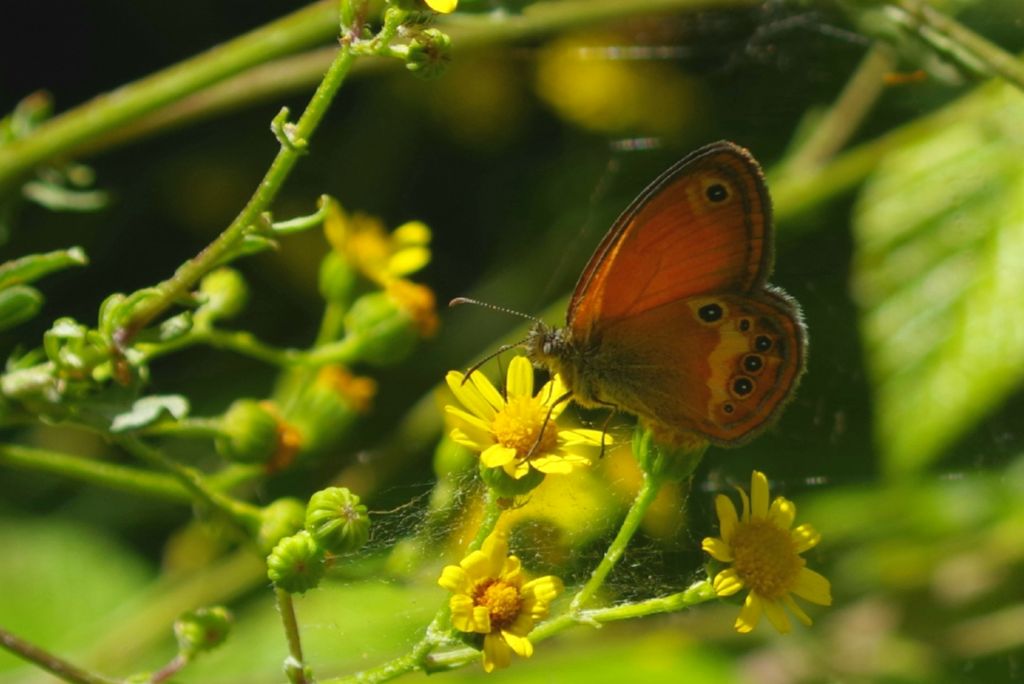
(765, 558)
(518, 425)
(502, 599)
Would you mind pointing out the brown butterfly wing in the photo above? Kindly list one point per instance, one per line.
(671, 311)
(724, 378)
(702, 226)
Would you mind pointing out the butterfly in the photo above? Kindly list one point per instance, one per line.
(673, 320)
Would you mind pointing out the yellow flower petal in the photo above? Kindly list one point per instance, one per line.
(481, 619)
(519, 379)
(727, 583)
(495, 548)
(411, 233)
(758, 495)
(443, 7)
(812, 586)
(472, 427)
(469, 395)
(462, 612)
(486, 389)
(497, 654)
(408, 260)
(477, 566)
(520, 645)
(523, 624)
(727, 519)
(776, 615)
(805, 537)
(745, 500)
(584, 437)
(552, 465)
(717, 548)
(554, 390)
(803, 617)
(749, 615)
(512, 570)
(462, 439)
(544, 589)
(496, 455)
(518, 469)
(782, 513)
(454, 579)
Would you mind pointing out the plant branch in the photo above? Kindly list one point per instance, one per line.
(49, 662)
(295, 668)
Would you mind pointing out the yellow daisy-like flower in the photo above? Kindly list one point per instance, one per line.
(492, 597)
(518, 431)
(380, 256)
(765, 557)
(442, 6)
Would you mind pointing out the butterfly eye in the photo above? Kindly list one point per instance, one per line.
(709, 313)
(716, 192)
(753, 363)
(763, 343)
(742, 386)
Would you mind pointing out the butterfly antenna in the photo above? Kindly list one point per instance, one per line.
(500, 350)
(494, 307)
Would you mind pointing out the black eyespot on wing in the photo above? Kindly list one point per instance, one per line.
(742, 386)
(744, 324)
(752, 363)
(728, 408)
(762, 343)
(716, 192)
(709, 313)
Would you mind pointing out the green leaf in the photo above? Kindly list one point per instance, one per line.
(30, 268)
(18, 304)
(938, 275)
(149, 410)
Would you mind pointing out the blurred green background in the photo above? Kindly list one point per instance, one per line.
(902, 446)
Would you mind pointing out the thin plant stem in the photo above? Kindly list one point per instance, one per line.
(244, 515)
(644, 498)
(296, 666)
(287, 156)
(997, 60)
(834, 130)
(155, 485)
(49, 662)
(695, 594)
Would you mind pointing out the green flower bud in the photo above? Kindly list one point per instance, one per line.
(226, 294)
(430, 51)
(337, 521)
(279, 519)
(385, 332)
(337, 279)
(504, 485)
(249, 433)
(202, 630)
(665, 460)
(296, 564)
(18, 304)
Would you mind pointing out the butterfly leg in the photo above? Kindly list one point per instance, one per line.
(544, 425)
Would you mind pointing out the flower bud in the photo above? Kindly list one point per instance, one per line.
(296, 564)
(226, 294)
(430, 51)
(202, 630)
(249, 433)
(338, 279)
(278, 520)
(668, 457)
(386, 333)
(337, 521)
(504, 485)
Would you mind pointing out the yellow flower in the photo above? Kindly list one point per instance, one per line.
(518, 431)
(490, 596)
(765, 557)
(381, 257)
(442, 6)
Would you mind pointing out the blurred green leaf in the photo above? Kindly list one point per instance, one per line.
(938, 274)
(18, 304)
(30, 268)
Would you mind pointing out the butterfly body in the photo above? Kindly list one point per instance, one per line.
(673, 320)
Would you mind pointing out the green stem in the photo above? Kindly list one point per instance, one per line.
(644, 498)
(287, 156)
(695, 594)
(95, 472)
(997, 60)
(834, 130)
(62, 134)
(244, 515)
(295, 668)
(49, 662)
